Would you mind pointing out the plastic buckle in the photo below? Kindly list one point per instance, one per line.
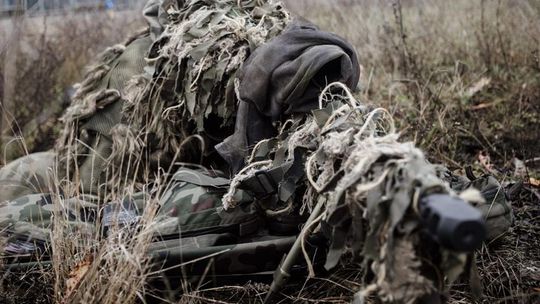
(268, 185)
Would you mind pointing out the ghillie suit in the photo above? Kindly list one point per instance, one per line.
(182, 102)
(344, 155)
(86, 139)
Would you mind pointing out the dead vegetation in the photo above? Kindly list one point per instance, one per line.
(47, 55)
(462, 79)
(460, 76)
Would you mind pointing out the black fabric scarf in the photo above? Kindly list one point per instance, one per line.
(283, 77)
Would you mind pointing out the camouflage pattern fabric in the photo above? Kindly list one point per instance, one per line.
(31, 217)
(27, 208)
(28, 216)
(191, 204)
(29, 174)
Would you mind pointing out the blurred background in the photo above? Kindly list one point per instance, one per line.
(44, 47)
(34, 7)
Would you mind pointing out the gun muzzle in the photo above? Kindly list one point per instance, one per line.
(452, 222)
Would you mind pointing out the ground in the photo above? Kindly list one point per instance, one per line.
(462, 79)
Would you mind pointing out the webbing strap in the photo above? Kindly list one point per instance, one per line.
(265, 183)
(280, 180)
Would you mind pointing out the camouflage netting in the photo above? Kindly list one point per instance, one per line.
(370, 184)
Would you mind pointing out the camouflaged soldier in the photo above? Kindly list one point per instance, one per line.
(152, 110)
(100, 122)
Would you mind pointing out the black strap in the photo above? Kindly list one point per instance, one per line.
(265, 183)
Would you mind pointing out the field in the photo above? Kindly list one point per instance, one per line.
(461, 78)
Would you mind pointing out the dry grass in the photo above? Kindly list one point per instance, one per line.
(460, 77)
(425, 60)
(40, 58)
